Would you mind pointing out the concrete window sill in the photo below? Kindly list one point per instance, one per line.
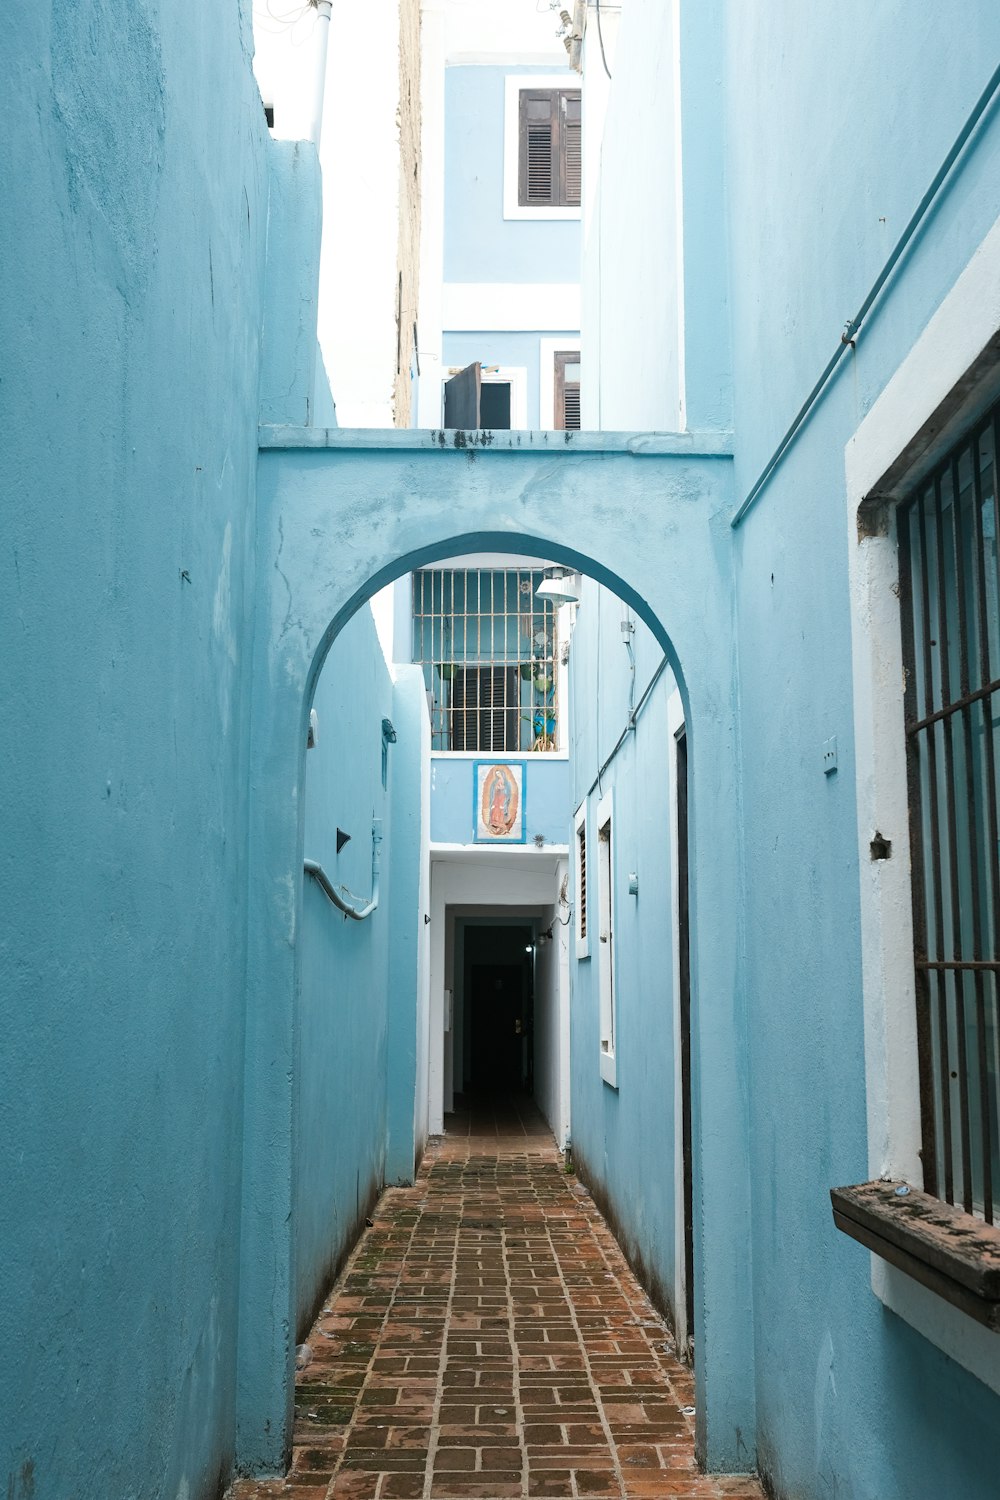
(946, 1250)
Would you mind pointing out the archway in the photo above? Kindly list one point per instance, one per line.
(337, 520)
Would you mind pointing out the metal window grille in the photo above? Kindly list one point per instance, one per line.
(489, 651)
(951, 647)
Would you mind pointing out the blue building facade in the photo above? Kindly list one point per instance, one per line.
(510, 295)
(181, 1168)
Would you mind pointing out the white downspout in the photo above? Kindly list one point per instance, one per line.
(323, 10)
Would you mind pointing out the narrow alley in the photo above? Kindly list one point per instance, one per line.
(500, 745)
(487, 1339)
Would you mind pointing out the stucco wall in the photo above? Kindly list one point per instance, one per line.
(632, 256)
(832, 134)
(613, 1128)
(344, 977)
(849, 1396)
(134, 161)
(546, 799)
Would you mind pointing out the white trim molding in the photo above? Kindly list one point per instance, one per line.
(922, 410)
(509, 306)
(513, 84)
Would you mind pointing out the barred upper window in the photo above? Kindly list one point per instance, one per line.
(950, 588)
(488, 648)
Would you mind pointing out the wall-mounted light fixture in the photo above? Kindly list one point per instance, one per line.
(560, 585)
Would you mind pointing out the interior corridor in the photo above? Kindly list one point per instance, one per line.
(487, 1339)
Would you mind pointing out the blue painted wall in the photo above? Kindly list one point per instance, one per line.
(546, 798)
(821, 177)
(344, 976)
(850, 1400)
(134, 161)
(480, 245)
(613, 1128)
(409, 938)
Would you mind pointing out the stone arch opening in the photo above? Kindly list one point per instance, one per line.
(333, 528)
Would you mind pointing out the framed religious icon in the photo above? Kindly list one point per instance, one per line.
(498, 802)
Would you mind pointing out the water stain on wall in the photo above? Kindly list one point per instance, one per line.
(108, 93)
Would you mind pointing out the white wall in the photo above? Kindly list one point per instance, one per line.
(632, 376)
(493, 31)
(361, 223)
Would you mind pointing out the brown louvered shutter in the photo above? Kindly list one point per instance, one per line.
(462, 394)
(537, 142)
(484, 706)
(549, 165)
(571, 154)
(566, 390)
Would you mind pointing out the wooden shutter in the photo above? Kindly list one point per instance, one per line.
(485, 709)
(566, 415)
(461, 398)
(549, 165)
(571, 153)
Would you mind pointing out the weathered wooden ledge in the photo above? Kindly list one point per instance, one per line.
(947, 1250)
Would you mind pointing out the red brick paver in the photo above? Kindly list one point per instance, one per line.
(487, 1339)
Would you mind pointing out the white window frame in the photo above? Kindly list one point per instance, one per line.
(604, 886)
(894, 439)
(579, 878)
(547, 351)
(513, 84)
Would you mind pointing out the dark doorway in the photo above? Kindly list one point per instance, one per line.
(499, 1002)
(684, 968)
(494, 404)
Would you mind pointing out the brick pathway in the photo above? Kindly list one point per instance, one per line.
(487, 1340)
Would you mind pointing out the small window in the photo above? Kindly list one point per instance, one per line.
(580, 830)
(566, 390)
(549, 148)
(489, 649)
(606, 938)
(951, 653)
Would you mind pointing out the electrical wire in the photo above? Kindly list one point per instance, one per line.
(600, 38)
(273, 23)
(596, 783)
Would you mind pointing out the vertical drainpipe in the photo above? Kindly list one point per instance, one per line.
(323, 9)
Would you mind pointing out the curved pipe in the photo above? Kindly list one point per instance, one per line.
(359, 913)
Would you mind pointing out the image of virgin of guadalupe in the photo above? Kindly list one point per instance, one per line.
(499, 808)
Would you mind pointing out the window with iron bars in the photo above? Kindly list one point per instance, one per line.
(949, 592)
(489, 652)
